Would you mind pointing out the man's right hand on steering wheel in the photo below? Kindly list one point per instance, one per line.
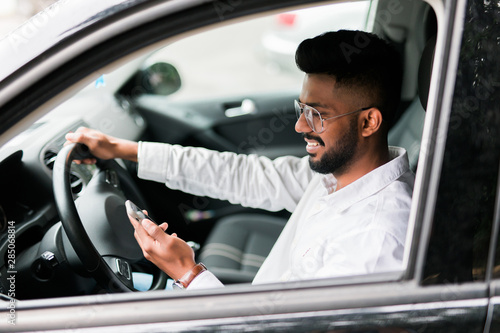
(103, 146)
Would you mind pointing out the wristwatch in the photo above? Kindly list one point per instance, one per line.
(184, 281)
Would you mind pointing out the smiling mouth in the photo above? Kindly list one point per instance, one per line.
(313, 147)
(312, 140)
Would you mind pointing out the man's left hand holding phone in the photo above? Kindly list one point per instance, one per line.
(170, 253)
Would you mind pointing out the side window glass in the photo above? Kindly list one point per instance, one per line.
(464, 212)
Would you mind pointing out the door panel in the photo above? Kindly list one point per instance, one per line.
(267, 130)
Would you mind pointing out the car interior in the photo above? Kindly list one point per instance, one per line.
(173, 95)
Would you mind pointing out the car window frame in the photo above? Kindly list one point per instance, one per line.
(389, 276)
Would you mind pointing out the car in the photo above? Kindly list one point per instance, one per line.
(185, 72)
(278, 44)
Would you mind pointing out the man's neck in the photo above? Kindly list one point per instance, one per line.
(361, 166)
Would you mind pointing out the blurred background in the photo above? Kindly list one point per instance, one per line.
(14, 12)
(254, 56)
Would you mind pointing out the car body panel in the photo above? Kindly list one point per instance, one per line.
(341, 306)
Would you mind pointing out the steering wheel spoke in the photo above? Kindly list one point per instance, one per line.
(122, 269)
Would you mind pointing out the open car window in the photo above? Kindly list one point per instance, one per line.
(229, 88)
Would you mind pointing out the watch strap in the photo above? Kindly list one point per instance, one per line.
(187, 278)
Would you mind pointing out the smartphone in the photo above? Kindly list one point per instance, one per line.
(136, 212)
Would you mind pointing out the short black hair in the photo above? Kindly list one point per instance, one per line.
(361, 62)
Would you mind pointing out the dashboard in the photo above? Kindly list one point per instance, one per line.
(26, 193)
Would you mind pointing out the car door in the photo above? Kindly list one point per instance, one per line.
(480, 100)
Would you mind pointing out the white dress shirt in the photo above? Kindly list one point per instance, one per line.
(359, 229)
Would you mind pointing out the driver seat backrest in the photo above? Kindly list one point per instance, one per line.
(239, 244)
(407, 132)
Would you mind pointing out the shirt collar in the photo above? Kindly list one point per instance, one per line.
(329, 182)
(370, 183)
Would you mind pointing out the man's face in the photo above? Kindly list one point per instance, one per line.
(335, 149)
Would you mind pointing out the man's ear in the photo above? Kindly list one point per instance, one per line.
(371, 121)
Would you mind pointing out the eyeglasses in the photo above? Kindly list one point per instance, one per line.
(313, 117)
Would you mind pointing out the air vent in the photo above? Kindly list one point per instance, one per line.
(77, 184)
(49, 158)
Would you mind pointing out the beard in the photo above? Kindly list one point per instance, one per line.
(337, 159)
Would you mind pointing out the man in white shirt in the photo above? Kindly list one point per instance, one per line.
(350, 197)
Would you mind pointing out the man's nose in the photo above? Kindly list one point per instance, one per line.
(301, 125)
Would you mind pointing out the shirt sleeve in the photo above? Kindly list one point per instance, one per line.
(226, 175)
(205, 280)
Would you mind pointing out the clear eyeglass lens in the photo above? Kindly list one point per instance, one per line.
(298, 109)
(313, 117)
(315, 122)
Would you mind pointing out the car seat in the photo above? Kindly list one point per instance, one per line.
(407, 132)
(239, 244)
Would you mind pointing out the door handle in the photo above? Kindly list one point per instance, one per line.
(247, 107)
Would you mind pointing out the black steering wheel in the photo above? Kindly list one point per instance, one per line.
(96, 224)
